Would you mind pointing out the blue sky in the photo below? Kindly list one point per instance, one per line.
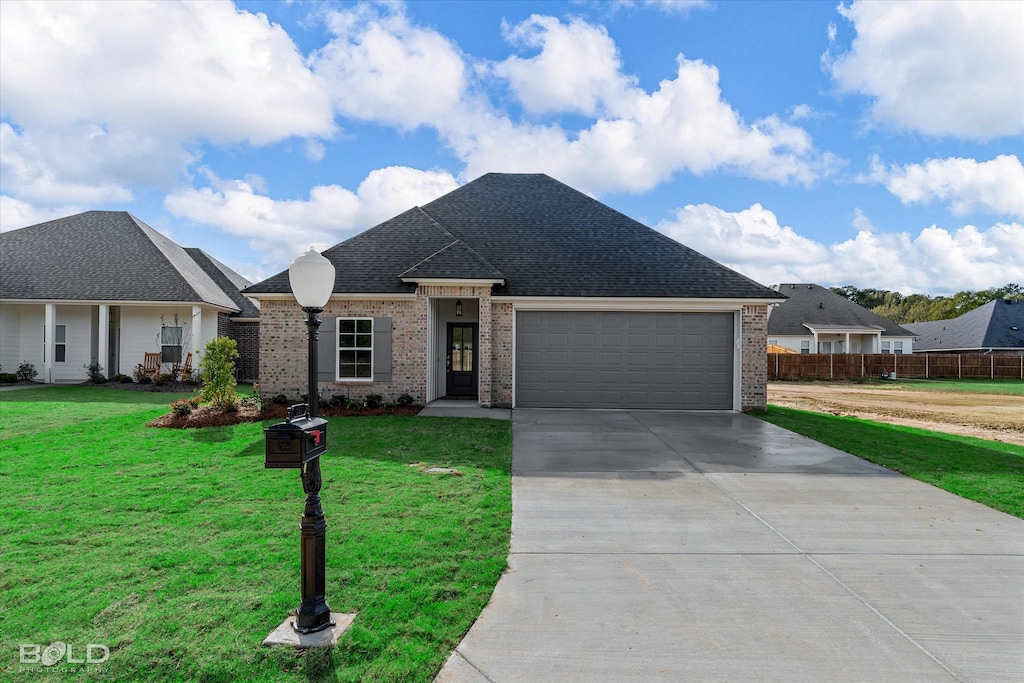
(873, 144)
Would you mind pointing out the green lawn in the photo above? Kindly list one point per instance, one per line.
(1012, 387)
(989, 472)
(180, 552)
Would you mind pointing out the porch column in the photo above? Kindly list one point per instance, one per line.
(103, 338)
(878, 343)
(814, 341)
(846, 349)
(50, 347)
(197, 330)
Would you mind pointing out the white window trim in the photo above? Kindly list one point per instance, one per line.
(56, 343)
(180, 346)
(338, 349)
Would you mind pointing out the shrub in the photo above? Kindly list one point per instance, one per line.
(140, 374)
(339, 400)
(374, 400)
(217, 364)
(255, 400)
(355, 405)
(144, 379)
(279, 399)
(405, 400)
(26, 372)
(183, 407)
(123, 378)
(8, 377)
(162, 378)
(95, 372)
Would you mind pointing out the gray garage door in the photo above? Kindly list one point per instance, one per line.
(679, 361)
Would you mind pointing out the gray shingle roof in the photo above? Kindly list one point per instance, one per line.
(819, 307)
(230, 282)
(455, 258)
(543, 237)
(990, 326)
(102, 256)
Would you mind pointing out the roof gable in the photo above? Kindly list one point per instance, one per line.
(455, 261)
(542, 237)
(101, 256)
(812, 306)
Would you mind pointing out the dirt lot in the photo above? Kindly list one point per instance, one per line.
(987, 416)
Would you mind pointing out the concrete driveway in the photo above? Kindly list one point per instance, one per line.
(653, 546)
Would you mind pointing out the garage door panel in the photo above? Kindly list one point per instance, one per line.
(624, 360)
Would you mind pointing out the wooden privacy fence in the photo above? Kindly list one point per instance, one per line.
(917, 366)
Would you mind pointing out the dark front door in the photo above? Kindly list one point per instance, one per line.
(461, 360)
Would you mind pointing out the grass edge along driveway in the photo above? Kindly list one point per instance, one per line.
(178, 551)
(987, 472)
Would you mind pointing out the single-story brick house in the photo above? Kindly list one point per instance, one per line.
(517, 290)
(104, 287)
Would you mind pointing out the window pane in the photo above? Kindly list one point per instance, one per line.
(467, 360)
(347, 371)
(363, 371)
(363, 356)
(170, 336)
(347, 356)
(347, 326)
(364, 341)
(170, 354)
(62, 334)
(346, 341)
(364, 325)
(60, 353)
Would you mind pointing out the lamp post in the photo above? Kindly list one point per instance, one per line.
(312, 280)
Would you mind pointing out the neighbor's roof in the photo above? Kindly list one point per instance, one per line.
(998, 324)
(104, 256)
(541, 237)
(813, 306)
(230, 282)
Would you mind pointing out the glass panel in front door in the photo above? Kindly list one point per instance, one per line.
(462, 349)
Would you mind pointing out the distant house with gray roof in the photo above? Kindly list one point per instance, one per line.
(996, 327)
(814, 319)
(518, 290)
(102, 286)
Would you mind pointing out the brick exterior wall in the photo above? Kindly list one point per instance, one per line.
(247, 341)
(501, 355)
(754, 350)
(283, 344)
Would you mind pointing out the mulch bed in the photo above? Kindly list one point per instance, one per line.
(209, 416)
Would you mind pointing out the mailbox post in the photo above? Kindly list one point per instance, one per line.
(301, 440)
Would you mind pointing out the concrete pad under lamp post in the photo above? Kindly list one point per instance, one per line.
(314, 625)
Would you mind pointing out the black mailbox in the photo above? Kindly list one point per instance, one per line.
(297, 440)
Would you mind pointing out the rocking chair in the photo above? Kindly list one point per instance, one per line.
(151, 366)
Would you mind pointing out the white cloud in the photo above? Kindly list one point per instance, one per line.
(995, 186)
(16, 214)
(107, 95)
(380, 67)
(939, 68)
(936, 260)
(329, 215)
(684, 125)
(669, 6)
(578, 68)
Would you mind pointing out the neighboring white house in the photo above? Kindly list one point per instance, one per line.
(814, 319)
(102, 286)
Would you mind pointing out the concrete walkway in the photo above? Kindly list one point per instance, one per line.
(657, 546)
(457, 408)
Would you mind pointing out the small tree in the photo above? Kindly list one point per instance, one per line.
(217, 365)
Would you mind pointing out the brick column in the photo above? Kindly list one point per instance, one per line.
(754, 366)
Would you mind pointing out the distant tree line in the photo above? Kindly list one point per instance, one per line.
(916, 308)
